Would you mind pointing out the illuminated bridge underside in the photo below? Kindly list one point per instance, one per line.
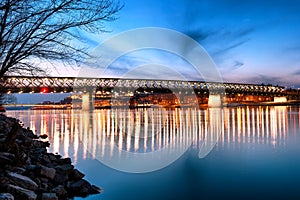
(71, 84)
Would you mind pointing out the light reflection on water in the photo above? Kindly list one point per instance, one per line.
(147, 130)
(257, 152)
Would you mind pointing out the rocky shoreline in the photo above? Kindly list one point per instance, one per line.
(29, 172)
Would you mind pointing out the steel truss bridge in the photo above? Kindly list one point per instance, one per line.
(27, 84)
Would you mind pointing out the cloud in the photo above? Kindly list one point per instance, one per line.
(229, 39)
(237, 64)
(224, 50)
(153, 64)
(234, 33)
(124, 64)
(198, 34)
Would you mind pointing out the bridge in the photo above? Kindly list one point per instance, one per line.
(27, 84)
(90, 86)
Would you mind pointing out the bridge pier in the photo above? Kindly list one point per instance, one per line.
(214, 101)
(280, 99)
(87, 101)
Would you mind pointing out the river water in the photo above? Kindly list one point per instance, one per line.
(182, 153)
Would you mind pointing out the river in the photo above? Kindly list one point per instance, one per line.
(182, 153)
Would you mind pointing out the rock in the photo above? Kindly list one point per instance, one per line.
(22, 157)
(40, 144)
(31, 167)
(29, 134)
(28, 161)
(43, 175)
(95, 190)
(6, 196)
(8, 155)
(76, 175)
(44, 186)
(38, 181)
(3, 181)
(57, 155)
(6, 158)
(64, 161)
(45, 159)
(78, 185)
(49, 196)
(60, 190)
(40, 150)
(20, 193)
(43, 180)
(80, 188)
(52, 157)
(47, 172)
(23, 181)
(65, 168)
(60, 177)
(19, 170)
(83, 188)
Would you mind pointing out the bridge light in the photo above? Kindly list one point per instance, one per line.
(44, 90)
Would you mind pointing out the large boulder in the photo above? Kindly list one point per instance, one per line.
(67, 168)
(76, 175)
(60, 190)
(64, 161)
(23, 181)
(47, 172)
(6, 158)
(20, 193)
(6, 196)
(60, 177)
(83, 188)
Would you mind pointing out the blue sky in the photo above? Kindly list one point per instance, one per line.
(250, 41)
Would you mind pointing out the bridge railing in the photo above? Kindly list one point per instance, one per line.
(27, 84)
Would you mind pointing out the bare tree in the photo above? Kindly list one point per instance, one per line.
(46, 30)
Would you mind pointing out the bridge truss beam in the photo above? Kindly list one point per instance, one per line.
(26, 84)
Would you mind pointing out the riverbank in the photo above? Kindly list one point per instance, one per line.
(29, 172)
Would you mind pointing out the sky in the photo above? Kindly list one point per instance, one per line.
(249, 41)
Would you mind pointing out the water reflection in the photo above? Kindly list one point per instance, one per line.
(117, 132)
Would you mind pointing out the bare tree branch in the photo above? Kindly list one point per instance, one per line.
(45, 30)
